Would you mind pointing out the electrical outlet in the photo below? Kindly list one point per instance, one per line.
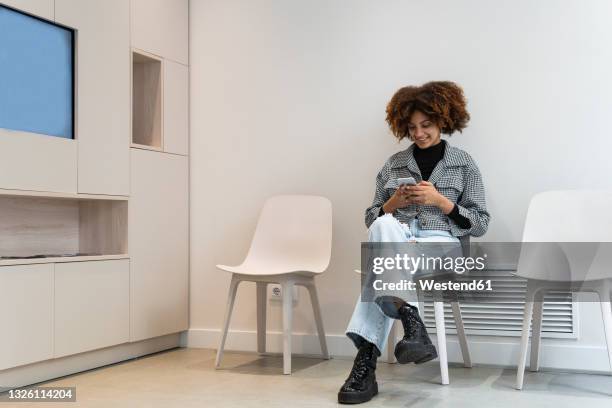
(275, 292)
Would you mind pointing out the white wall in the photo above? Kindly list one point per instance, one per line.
(289, 97)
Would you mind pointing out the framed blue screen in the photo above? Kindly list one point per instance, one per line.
(36, 75)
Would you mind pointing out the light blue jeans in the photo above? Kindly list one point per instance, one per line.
(368, 321)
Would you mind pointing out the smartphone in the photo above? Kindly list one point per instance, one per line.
(406, 181)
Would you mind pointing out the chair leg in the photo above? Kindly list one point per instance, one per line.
(391, 343)
(228, 315)
(606, 314)
(261, 316)
(314, 300)
(465, 350)
(520, 373)
(536, 331)
(287, 288)
(441, 336)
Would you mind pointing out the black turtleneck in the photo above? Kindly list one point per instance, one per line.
(427, 159)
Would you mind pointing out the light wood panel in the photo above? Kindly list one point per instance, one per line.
(39, 8)
(29, 161)
(103, 92)
(91, 306)
(10, 262)
(50, 194)
(176, 108)
(103, 227)
(31, 226)
(144, 147)
(147, 100)
(59, 226)
(26, 299)
(158, 241)
(162, 28)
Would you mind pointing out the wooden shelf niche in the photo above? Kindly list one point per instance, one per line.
(147, 96)
(62, 227)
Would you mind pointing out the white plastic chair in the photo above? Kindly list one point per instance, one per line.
(567, 216)
(440, 337)
(440, 329)
(291, 245)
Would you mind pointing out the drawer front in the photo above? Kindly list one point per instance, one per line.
(92, 305)
(26, 299)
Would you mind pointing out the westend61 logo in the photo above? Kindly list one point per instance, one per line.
(413, 264)
(405, 268)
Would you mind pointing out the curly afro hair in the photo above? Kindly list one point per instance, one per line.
(442, 101)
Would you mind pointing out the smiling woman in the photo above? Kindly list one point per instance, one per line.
(447, 202)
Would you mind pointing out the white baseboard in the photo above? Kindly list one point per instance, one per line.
(59, 367)
(490, 353)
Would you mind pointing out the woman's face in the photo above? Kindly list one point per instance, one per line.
(423, 132)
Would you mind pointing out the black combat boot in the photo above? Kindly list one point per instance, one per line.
(361, 386)
(416, 346)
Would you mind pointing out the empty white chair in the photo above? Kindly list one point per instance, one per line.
(291, 245)
(562, 218)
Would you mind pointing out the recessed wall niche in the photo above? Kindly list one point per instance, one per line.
(147, 96)
(58, 227)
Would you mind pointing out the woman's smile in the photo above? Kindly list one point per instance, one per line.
(423, 131)
(418, 139)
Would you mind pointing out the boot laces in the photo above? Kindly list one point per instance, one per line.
(359, 371)
(360, 366)
(415, 325)
(412, 322)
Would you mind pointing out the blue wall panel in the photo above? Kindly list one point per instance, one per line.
(36, 75)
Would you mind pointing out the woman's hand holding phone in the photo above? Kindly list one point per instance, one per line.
(424, 193)
(399, 199)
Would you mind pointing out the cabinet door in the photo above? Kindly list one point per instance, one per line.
(158, 244)
(103, 92)
(176, 108)
(39, 8)
(26, 299)
(92, 305)
(29, 161)
(161, 27)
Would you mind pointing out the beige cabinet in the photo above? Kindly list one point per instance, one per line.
(92, 306)
(26, 301)
(39, 8)
(176, 108)
(158, 243)
(161, 28)
(103, 92)
(30, 161)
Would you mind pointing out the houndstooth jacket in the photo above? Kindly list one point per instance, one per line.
(456, 177)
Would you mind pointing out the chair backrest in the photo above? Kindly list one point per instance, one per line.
(576, 226)
(569, 216)
(294, 233)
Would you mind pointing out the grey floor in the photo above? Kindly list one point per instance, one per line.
(187, 378)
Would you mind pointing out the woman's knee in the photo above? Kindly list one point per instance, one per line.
(385, 222)
(386, 229)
